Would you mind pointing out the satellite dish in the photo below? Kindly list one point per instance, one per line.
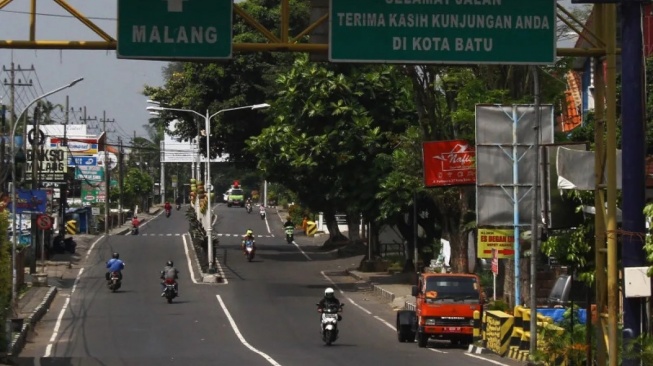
(111, 157)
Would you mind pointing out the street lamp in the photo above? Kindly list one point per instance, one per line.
(14, 285)
(207, 125)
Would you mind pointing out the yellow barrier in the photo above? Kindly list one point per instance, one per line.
(498, 331)
(71, 227)
(311, 228)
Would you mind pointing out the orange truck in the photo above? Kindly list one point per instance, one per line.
(444, 309)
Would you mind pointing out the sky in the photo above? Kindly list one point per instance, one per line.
(110, 84)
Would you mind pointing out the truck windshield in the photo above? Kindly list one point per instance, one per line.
(451, 289)
(236, 192)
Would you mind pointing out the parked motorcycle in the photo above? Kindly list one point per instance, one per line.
(249, 249)
(114, 281)
(248, 207)
(290, 234)
(169, 291)
(329, 323)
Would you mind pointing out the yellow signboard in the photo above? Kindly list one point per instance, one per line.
(503, 240)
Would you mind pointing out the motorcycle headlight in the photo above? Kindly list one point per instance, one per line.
(429, 321)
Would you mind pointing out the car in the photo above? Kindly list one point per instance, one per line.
(236, 197)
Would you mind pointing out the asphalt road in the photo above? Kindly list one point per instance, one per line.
(264, 314)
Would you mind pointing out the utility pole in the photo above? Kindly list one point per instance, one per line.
(35, 186)
(3, 146)
(107, 164)
(121, 179)
(12, 83)
(85, 119)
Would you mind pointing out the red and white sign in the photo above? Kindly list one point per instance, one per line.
(495, 262)
(449, 163)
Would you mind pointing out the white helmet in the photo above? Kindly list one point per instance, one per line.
(328, 292)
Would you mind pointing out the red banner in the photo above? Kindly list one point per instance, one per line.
(448, 163)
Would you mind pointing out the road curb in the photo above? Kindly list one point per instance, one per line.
(378, 290)
(477, 350)
(18, 341)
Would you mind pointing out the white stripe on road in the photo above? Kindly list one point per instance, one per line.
(302, 251)
(92, 246)
(240, 336)
(385, 322)
(190, 266)
(190, 263)
(57, 325)
(486, 359)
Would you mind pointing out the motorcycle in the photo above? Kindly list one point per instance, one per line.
(290, 233)
(169, 291)
(114, 281)
(178, 207)
(248, 207)
(249, 250)
(168, 213)
(134, 230)
(262, 213)
(329, 323)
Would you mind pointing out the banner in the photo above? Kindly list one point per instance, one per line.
(448, 163)
(503, 240)
(29, 201)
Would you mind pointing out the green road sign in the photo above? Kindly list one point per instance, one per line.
(174, 29)
(443, 31)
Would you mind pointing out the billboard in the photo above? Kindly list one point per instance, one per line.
(503, 240)
(29, 201)
(175, 150)
(448, 163)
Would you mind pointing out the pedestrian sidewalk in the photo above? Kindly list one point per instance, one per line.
(394, 288)
(41, 287)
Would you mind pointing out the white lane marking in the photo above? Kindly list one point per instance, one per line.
(190, 263)
(240, 336)
(486, 359)
(168, 234)
(57, 325)
(190, 266)
(266, 222)
(93, 246)
(385, 322)
(367, 311)
(177, 234)
(302, 251)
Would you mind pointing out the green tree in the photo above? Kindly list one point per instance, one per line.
(245, 80)
(331, 123)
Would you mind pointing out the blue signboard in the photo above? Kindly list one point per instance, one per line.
(29, 201)
(82, 161)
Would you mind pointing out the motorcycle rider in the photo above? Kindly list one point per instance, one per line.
(329, 299)
(261, 209)
(169, 272)
(135, 222)
(115, 264)
(178, 202)
(168, 207)
(249, 235)
(288, 224)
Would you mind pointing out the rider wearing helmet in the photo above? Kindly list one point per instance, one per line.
(167, 206)
(169, 273)
(115, 264)
(249, 235)
(328, 299)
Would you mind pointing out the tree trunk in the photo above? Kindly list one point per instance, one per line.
(332, 225)
(353, 224)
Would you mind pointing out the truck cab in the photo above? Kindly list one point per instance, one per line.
(236, 197)
(444, 309)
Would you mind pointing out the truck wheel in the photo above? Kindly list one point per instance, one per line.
(422, 340)
(403, 333)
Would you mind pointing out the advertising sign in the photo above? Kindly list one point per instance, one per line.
(82, 160)
(93, 193)
(448, 163)
(502, 240)
(93, 175)
(51, 164)
(77, 145)
(29, 201)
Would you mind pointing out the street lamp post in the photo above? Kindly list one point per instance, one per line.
(14, 239)
(207, 126)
